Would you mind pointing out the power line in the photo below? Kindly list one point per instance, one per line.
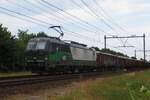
(78, 25)
(26, 8)
(116, 37)
(97, 15)
(103, 10)
(59, 9)
(18, 13)
(100, 18)
(44, 25)
(30, 21)
(77, 18)
(54, 6)
(110, 18)
(88, 37)
(81, 35)
(30, 18)
(78, 5)
(64, 11)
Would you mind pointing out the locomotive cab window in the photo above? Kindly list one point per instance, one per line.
(41, 45)
(31, 45)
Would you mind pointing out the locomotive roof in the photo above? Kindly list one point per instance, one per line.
(51, 39)
(57, 40)
(78, 45)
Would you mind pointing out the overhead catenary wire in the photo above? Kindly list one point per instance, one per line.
(26, 16)
(28, 9)
(31, 19)
(25, 0)
(59, 19)
(100, 18)
(67, 12)
(103, 10)
(73, 16)
(80, 35)
(85, 10)
(109, 19)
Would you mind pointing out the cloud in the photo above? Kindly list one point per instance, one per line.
(131, 13)
(2, 2)
(124, 6)
(14, 23)
(80, 13)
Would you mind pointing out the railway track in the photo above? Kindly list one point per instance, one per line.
(35, 79)
(15, 81)
(23, 80)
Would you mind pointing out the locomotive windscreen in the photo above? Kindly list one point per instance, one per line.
(31, 45)
(36, 45)
(41, 45)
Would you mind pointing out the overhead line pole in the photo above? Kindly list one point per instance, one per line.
(133, 36)
(144, 45)
(105, 41)
(135, 51)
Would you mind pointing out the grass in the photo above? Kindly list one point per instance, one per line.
(134, 86)
(14, 74)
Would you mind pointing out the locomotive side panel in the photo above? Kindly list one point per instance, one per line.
(83, 54)
(83, 57)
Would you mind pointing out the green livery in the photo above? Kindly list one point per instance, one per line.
(58, 56)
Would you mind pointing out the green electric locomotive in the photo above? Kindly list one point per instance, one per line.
(50, 54)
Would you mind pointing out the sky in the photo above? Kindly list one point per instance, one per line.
(84, 21)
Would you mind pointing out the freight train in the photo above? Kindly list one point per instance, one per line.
(50, 55)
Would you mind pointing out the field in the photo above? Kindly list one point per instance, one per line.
(14, 74)
(132, 86)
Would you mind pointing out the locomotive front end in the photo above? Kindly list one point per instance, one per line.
(37, 54)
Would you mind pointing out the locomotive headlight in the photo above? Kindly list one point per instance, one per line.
(46, 58)
(26, 58)
(34, 57)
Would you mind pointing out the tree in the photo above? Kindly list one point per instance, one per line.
(96, 48)
(42, 34)
(133, 57)
(12, 49)
(22, 40)
(7, 48)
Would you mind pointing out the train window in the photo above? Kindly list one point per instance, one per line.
(31, 45)
(65, 48)
(41, 45)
